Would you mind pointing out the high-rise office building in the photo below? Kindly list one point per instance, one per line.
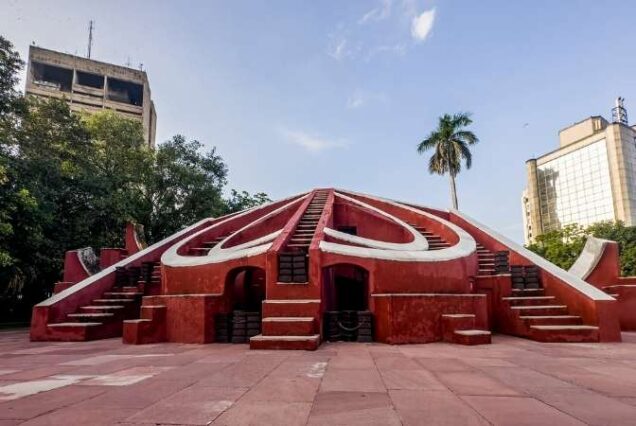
(91, 86)
(590, 178)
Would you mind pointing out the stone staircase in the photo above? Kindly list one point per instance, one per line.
(435, 242)
(207, 246)
(460, 329)
(544, 319)
(293, 323)
(104, 317)
(304, 232)
(485, 261)
(289, 324)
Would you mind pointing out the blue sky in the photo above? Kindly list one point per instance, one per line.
(300, 94)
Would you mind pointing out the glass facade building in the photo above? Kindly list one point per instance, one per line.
(575, 188)
(590, 178)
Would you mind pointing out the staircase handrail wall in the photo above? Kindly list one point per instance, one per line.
(57, 306)
(593, 305)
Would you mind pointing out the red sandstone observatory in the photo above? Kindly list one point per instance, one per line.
(333, 264)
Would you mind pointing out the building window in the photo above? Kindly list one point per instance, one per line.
(125, 92)
(89, 79)
(52, 77)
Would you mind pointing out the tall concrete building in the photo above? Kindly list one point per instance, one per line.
(590, 178)
(91, 86)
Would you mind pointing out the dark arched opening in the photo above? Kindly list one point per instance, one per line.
(245, 292)
(246, 288)
(346, 295)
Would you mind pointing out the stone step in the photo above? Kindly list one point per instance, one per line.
(75, 331)
(454, 322)
(309, 343)
(528, 300)
(102, 308)
(112, 301)
(472, 337)
(123, 294)
(291, 308)
(540, 310)
(552, 320)
(564, 333)
(91, 316)
(528, 292)
(288, 326)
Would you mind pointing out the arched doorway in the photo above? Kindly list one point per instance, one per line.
(346, 295)
(246, 288)
(245, 292)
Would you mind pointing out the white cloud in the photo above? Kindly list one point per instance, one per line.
(360, 98)
(377, 14)
(398, 49)
(422, 25)
(311, 143)
(338, 49)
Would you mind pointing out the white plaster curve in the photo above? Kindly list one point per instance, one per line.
(464, 247)
(172, 258)
(419, 241)
(589, 257)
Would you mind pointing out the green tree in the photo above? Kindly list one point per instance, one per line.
(70, 180)
(450, 141)
(244, 200)
(184, 185)
(563, 246)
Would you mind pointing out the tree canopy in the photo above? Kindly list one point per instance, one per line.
(562, 247)
(450, 142)
(71, 180)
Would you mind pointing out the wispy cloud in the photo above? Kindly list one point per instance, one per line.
(398, 49)
(312, 143)
(422, 25)
(379, 13)
(360, 98)
(338, 49)
(399, 26)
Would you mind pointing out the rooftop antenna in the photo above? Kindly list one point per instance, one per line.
(619, 113)
(128, 61)
(91, 25)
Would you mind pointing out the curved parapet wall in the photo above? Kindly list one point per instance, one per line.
(80, 264)
(598, 263)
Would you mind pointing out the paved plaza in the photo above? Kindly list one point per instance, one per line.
(511, 382)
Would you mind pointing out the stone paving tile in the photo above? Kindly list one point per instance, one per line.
(353, 408)
(79, 416)
(515, 411)
(189, 406)
(512, 381)
(417, 407)
(265, 413)
(139, 395)
(475, 383)
(339, 379)
(590, 407)
(35, 405)
(411, 379)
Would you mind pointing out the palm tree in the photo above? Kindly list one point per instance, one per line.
(450, 141)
